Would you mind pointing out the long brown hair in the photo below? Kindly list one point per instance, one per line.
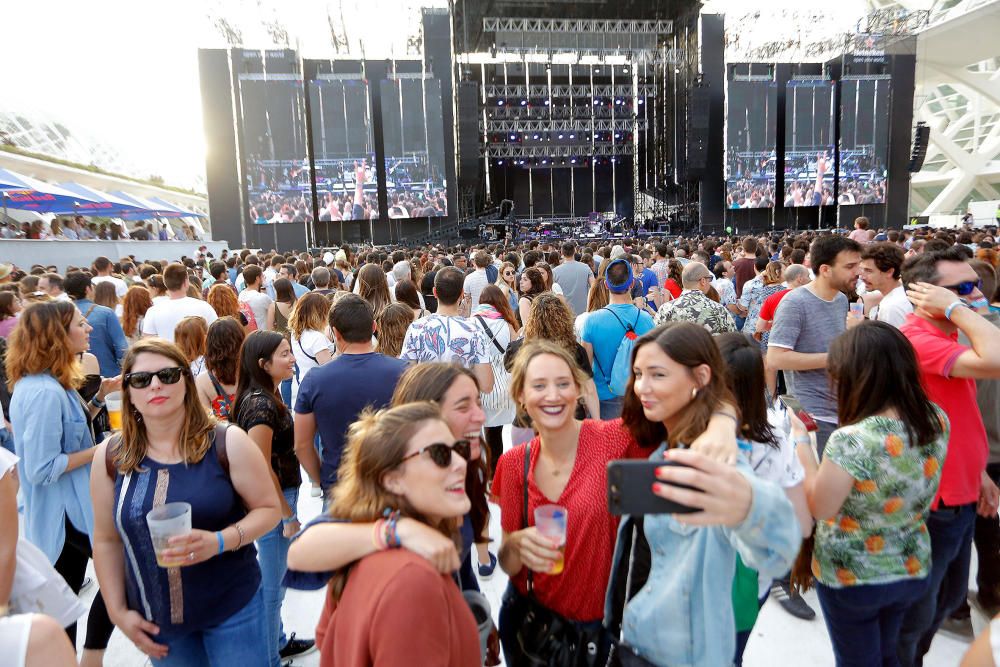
(223, 301)
(551, 319)
(430, 382)
(390, 328)
(689, 345)
(134, 305)
(222, 348)
(40, 344)
(189, 336)
(873, 367)
(309, 312)
(376, 445)
(536, 279)
(197, 425)
(105, 294)
(494, 296)
(373, 286)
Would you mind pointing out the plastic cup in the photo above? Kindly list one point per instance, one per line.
(858, 309)
(550, 520)
(166, 521)
(113, 402)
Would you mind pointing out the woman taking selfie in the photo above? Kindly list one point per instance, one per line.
(217, 385)
(872, 492)
(54, 438)
(676, 385)
(206, 607)
(265, 362)
(405, 458)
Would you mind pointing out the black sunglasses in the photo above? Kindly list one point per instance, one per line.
(441, 452)
(142, 379)
(965, 288)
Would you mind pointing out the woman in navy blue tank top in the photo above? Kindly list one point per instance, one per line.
(207, 610)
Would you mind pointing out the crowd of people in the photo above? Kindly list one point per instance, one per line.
(78, 229)
(795, 410)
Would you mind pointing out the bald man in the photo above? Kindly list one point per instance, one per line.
(694, 305)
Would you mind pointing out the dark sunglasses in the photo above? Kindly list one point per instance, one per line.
(441, 453)
(142, 379)
(965, 288)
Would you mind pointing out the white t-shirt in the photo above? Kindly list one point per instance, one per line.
(305, 349)
(475, 283)
(894, 308)
(162, 318)
(120, 286)
(259, 302)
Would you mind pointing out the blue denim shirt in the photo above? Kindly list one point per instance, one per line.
(107, 340)
(683, 615)
(49, 424)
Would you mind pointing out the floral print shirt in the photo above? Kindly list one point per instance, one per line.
(880, 535)
(694, 306)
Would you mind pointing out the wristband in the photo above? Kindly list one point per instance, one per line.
(802, 441)
(222, 543)
(391, 537)
(951, 307)
(96, 402)
(291, 519)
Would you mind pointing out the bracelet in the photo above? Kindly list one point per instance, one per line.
(239, 530)
(391, 536)
(222, 543)
(291, 519)
(377, 535)
(951, 307)
(96, 402)
(805, 440)
(726, 414)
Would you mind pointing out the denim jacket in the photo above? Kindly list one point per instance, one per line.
(49, 424)
(683, 615)
(107, 340)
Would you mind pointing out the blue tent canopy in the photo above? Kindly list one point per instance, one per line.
(105, 204)
(186, 213)
(152, 210)
(24, 193)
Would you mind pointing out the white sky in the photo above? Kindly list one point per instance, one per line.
(127, 70)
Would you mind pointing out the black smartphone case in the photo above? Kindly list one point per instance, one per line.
(630, 489)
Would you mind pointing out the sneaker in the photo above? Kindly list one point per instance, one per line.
(315, 491)
(486, 571)
(296, 648)
(792, 602)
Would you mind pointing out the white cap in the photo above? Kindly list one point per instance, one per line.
(328, 257)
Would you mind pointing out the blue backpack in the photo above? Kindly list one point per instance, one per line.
(621, 368)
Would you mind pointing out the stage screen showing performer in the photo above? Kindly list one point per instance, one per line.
(809, 139)
(346, 178)
(750, 143)
(864, 139)
(273, 130)
(413, 132)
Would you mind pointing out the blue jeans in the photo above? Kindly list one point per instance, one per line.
(612, 408)
(286, 392)
(239, 641)
(951, 532)
(864, 621)
(272, 554)
(6, 439)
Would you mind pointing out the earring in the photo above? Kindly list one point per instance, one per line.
(694, 393)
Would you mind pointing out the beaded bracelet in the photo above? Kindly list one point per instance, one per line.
(239, 530)
(391, 536)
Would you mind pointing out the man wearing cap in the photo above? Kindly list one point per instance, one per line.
(694, 306)
(604, 330)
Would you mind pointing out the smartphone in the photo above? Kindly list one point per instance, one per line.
(793, 404)
(630, 489)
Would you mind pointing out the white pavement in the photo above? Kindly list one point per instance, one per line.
(778, 638)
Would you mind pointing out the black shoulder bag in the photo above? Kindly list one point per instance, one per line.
(548, 639)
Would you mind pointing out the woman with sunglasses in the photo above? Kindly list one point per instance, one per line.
(206, 608)
(54, 438)
(390, 606)
(266, 361)
(678, 380)
(328, 546)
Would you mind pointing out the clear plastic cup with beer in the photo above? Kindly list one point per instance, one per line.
(164, 522)
(550, 520)
(113, 402)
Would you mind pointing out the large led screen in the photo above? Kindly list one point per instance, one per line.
(864, 139)
(273, 131)
(413, 132)
(346, 180)
(751, 124)
(809, 142)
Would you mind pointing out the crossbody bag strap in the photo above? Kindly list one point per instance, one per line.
(299, 341)
(221, 392)
(489, 332)
(524, 506)
(221, 429)
(109, 455)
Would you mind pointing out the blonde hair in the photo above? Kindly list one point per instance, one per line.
(527, 354)
(194, 438)
(40, 344)
(309, 312)
(376, 445)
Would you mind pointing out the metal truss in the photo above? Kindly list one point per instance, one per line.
(544, 113)
(639, 55)
(621, 90)
(586, 26)
(582, 150)
(576, 125)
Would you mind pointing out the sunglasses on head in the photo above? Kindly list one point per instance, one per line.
(440, 452)
(965, 288)
(141, 379)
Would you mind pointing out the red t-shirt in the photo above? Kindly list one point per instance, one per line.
(578, 592)
(770, 305)
(967, 446)
(671, 286)
(744, 270)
